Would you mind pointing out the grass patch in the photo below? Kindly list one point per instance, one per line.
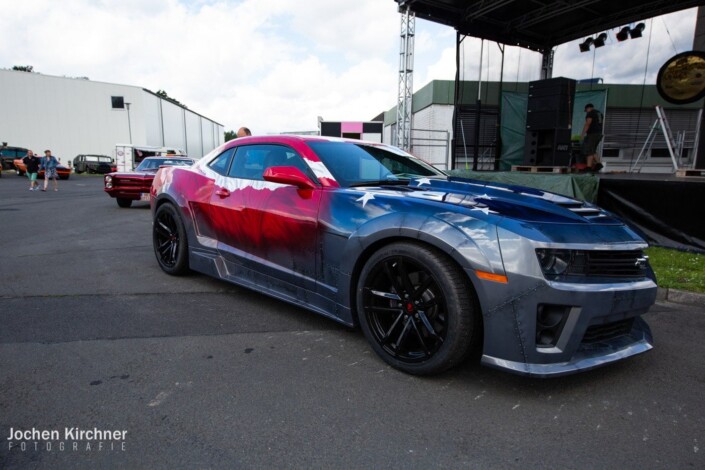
(677, 269)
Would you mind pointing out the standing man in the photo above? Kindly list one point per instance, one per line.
(592, 135)
(243, 132)
(31, 163)
(49, 164)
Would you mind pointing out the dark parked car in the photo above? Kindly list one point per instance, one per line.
(432, 268)
(130, 186)
(9, 154)
(93, 164)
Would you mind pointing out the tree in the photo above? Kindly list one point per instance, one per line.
(230, 135)
(23, 68)
(163, 94)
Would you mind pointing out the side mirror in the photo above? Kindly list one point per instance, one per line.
(288, 175)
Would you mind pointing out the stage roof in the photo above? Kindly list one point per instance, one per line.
(539, 24)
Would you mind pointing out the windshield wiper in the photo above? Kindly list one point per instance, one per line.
(394, 182)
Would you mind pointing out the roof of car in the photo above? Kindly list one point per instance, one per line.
(170, 157)
(289, 138)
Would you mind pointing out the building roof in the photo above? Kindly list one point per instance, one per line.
(539, 24)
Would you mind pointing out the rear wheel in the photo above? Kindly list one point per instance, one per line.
(122, 202)
(417, 308)
(169, 240)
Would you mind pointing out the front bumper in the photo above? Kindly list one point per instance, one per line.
(136, 194)
(601, 323)
(638, 341)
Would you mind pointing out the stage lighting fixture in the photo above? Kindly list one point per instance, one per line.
(623, 34)
(585, 45)
(600, 40)
(636, 31)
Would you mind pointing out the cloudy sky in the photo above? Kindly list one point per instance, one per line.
(276, 65)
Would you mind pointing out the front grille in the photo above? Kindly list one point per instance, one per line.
(126, 182)
(592, 265)
(619, 264)
(608, 331)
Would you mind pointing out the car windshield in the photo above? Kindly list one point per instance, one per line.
(355, 164)
(155, 163)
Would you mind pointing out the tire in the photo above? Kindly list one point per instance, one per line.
(417, 308)
(19, 173)
(64, 178)
(122, 202)
(169, 241)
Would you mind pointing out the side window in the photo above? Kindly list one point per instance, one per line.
(221, 163)
(251, 160)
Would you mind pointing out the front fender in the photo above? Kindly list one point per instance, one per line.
(472, 245)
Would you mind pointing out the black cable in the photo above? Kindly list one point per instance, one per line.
(643, 88)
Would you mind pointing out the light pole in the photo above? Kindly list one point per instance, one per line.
(129, 125)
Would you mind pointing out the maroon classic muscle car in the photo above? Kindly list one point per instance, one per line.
(131, 186)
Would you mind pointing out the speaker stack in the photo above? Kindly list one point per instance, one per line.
(549, 116)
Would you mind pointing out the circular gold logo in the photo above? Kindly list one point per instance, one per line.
(681, 79)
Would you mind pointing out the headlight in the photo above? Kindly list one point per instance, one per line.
(108, 182)
(553, 262)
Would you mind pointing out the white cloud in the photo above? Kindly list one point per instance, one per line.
(273, 65)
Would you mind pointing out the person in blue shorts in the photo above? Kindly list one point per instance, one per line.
(31, 163)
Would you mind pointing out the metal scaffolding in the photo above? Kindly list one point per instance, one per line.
(406, 79)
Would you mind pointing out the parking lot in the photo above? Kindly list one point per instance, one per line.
(203, 374)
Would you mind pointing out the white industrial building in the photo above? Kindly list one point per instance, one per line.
(73, 116)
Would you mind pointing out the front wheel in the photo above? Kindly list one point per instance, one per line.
(122, 202)
(169, 240)
(417, 308)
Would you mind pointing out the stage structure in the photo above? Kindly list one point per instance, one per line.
(538, 25)
(406, 78)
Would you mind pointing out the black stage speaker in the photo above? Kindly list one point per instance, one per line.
(550, 104)
(547, 147)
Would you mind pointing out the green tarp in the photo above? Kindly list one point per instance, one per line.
(513, 126)
(581, 187)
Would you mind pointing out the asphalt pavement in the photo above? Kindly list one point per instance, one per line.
(203, 374)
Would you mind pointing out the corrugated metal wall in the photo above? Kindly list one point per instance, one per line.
(76, 116)
(626, 131)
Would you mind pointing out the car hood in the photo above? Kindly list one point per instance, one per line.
(134, 174)
(493, 201)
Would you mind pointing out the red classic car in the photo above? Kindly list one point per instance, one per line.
(131, 186)
(21, 169)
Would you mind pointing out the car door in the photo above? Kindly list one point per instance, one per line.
(272, 228)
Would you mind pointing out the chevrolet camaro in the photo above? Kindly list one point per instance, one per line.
(433, 269)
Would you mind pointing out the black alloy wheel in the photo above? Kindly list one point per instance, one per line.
(169, 240)
(417, 308)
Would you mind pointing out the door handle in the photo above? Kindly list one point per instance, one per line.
(223, 193)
